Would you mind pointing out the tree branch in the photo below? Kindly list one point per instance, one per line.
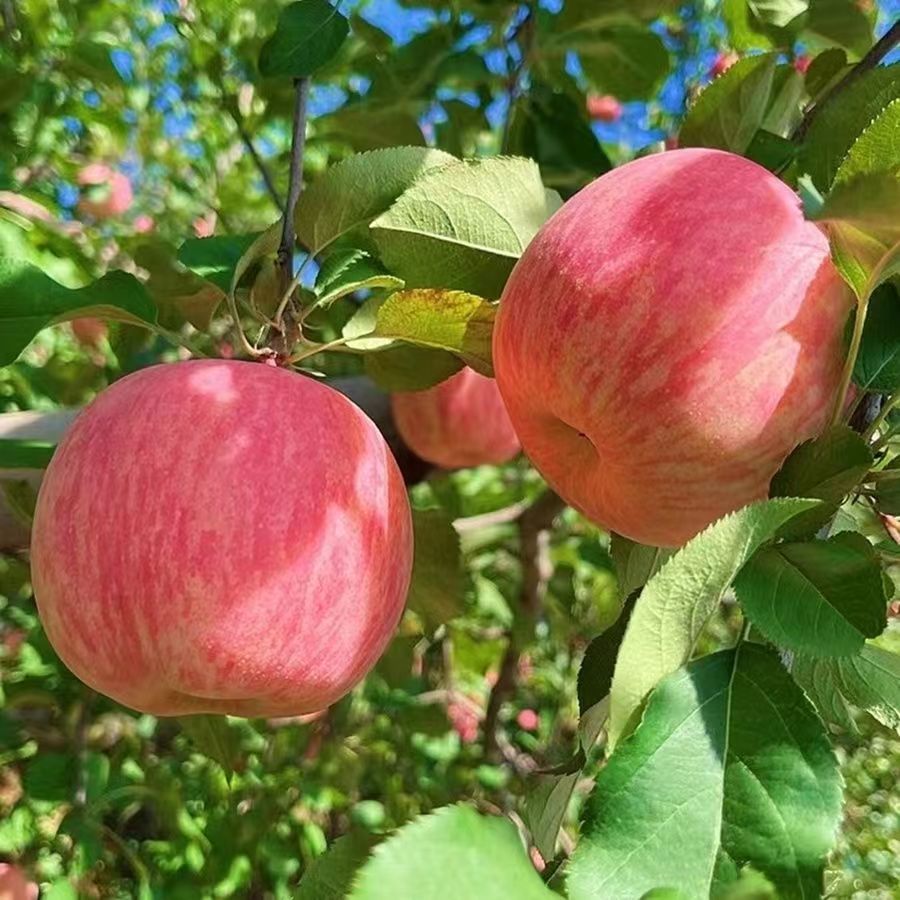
(254, 155)
(878, 52)
(295, 185)
(524, 36)
(534, 524)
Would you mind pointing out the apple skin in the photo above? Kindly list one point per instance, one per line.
(666, 340)
(221, 536)
(14, 884)
(119, 196)
(89, 331)
(604, 108)
(460, 422)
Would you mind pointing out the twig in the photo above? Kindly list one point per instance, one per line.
(295, 185)
(878, 52)
(533, 525)
(503, 516)
(526, 30)
(247, 141)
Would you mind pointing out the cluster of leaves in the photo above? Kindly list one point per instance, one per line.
(692, 768)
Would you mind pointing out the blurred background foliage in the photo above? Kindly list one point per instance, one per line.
(98, 802)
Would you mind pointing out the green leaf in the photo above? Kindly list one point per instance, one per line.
(635, 563)
(30, 301)
(887, 488)
(596, 672)
(771, 151)
(838, 125)
(729, 766)
(878, 363)
(676, 603)
(463, 226)
(588, 13)
(179, 294)
(821, 598)
(444, 320)
(877, 149)
(405, 367)
(547, 802)
(549, 127)
(825, 468)
(824, 69)
(627, 61)
(308, 35)
(20, 498)
(374, 126)
(16, 453)
(213, 737)
(450, 854)
(50, 777)
(870, 680)
(840, 22)
(746, 31)
(332, 874)
(860, 217)
(353, 192)
(349, 271)
(785, 108)
(779, 13)
(436, 589)
(216, 258)
(731, 110)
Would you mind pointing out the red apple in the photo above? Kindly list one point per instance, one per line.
(802, 63)
(666, 340)
(106, 192)
(144, 224)
(465, 720)
(221, 536)
(723, 62)
(205, 225)
(89, 331)
(14, 884)
(605, 109)
(461, 422)
(527, 720)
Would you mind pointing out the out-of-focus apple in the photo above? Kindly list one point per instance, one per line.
(458, 423)
(144, 224)
(658, 365)
(106, 193)
(221, 536)
(14, 884)
(605, 108)
(89, 331)
(527, 720)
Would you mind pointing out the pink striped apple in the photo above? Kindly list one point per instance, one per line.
(667, 338)
(221, 536)
(458, 423)
(106, 192)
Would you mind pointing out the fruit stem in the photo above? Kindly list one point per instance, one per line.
(852, 353)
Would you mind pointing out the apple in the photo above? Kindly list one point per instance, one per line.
(221, 536)
(802, 63)
(144, 224)
(723, 62)
(107, 192)
(458, 423)
(465, 720)
(14, 884)
(667, 338)
(527, 720)
(606, 108)
(89, 331)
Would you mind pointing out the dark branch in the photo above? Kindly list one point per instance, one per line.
(295, 185)
(881, 49)
(533, 523)
(254, 155)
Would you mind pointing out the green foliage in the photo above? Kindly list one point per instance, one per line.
(676, 603)
(714, 777)
(436, 586)
(16, 453)
(433, 236)
(821, 598)
(729, 112)
(30, 301)
(452, 853)
(308, 35)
